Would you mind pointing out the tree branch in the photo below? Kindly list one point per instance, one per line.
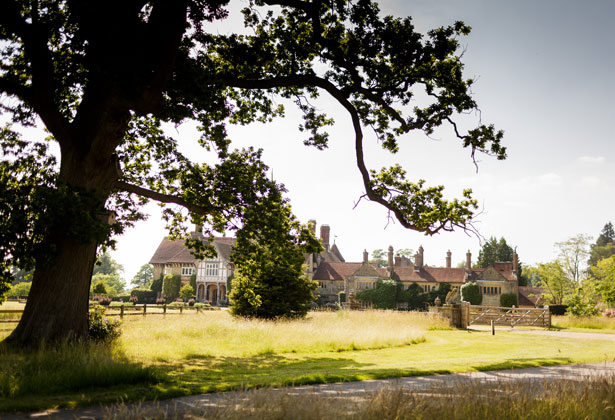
(164, 198)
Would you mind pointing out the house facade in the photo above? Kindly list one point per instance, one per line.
(173, 257)
(335, 274)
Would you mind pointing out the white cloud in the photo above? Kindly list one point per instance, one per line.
(550, 179)
(591, 159)
(593, 182)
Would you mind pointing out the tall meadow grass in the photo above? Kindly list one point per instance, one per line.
(218, 334)
(586, 322)
(458, 400)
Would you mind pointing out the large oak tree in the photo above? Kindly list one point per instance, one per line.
(103, 77)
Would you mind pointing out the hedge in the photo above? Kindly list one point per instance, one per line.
(144, 295)
(508, 300)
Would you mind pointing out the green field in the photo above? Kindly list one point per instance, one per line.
(160, 357)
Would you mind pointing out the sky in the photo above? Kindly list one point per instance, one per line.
(544, 72)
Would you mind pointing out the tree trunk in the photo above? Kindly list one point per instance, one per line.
(57, 306)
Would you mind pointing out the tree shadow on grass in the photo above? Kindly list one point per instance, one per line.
(522, 363)
(195, 375)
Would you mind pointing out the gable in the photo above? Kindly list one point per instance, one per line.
(366, 270)
(490, 273)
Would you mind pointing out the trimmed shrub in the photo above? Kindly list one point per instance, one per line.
(193, 283)
(384, 296)
(121, 298)
(416, 298)
(470, 292)
(101, 328)
(186, 292)
(100, 288)
(171, 285)
(508, 300)
(144, 295)
(156, 285)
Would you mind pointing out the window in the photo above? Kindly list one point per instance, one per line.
(322, 284)
(187, 270)
(211, 269)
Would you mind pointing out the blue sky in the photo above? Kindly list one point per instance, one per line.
(544, 73)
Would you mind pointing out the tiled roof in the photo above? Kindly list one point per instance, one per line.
(530, 296)
(335, 251)
(431, 274)
(176, 251)
(335, 270)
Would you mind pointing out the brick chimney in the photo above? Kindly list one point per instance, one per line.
(365, 256)
(324, 236)
(515, 263)
(418, 259)
(469, 260)
(390, 260)
(397, 261)
(448, 259)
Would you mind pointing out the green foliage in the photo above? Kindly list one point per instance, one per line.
(156, 285)
(186, 292)
(573, 254)
(105, 264)
(383, 296)
(102, 328)
(114, 285)
(494, 251)
(144, 276)
(580, 304)
(379, 257)
(470, 292)
(415, 297)
(19, 290)
(193, 283)
(144, 295)
(508, 300)
(604, 280)
(553, 279)
(607, 236)
(269, 281)
(171, 285)
(99, 288)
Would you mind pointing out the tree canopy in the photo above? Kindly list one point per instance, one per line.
(493, 251)
(104, 92)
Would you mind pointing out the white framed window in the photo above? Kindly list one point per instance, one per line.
(187, 270)
(211, 269)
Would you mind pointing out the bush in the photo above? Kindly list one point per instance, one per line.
(102, 300)
(470, 292)
(384, 296)
(144, 295)
(171, 285)
(175, 304)
(508, 300)
(121, 298)
(156, 285)
(415, 297)
(193, 282)
(161, 301)
(19, 290)
(186, 292)
(191, 302)
(100, 288)
(580, 305)
(102, 328)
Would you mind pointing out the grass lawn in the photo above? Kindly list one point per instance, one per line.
(599, 324)
(196, 353)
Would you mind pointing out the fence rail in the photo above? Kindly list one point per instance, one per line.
(122, 311)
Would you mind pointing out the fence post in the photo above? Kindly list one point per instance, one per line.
(492, 327)
(122, 312)
(181, 310)
(144, 308)
(164, 309)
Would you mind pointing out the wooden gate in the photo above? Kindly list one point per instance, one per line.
(483, 315)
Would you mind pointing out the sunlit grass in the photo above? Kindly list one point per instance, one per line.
(457, 400)
(584, 322)
(218, 334)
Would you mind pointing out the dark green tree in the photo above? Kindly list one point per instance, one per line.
(604, 246)
(171, 285)
(144, 276)
(607, 236)
(269, 281)
(470, 292)
(105, 264)
(494, 251)
(383, 296)
(103, 78)
(379, 258)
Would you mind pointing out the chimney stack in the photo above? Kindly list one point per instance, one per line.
(365, 256)
(469, 260)
(515, 263)
(448, 259)
(397, 261)
(324, 236)
(390, 261)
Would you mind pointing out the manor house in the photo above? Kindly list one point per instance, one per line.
(334, 274)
